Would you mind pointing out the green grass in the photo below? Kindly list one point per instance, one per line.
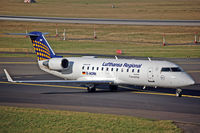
(132, 40)
(108, 48)
(93, 47)
(18, 120)
(126, 9)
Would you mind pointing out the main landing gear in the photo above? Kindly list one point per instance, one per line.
(113, 87)
(178, 92)
(91, 88)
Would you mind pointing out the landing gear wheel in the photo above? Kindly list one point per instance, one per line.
(178, 92)
(91, 88)
(113, 87)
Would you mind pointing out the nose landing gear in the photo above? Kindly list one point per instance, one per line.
(178, 92)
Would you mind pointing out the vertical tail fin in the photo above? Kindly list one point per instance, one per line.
(42, 48)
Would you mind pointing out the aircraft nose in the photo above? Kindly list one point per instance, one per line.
(190, 81)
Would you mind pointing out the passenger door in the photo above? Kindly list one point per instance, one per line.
(150, 75)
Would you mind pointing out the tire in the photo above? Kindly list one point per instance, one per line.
(113, 87)
(91, 88)
(178, 92)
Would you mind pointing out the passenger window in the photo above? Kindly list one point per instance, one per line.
(111, 69)
(127, 70)
(138, 70)
(165, 69)
(102, 68)
(83, 68)
(97, 68)
(122, 70)
(116, 69)
(132, 70)
(92, 68)
(88, 68)
(107, 69)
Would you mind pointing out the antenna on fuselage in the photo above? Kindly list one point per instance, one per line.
(149, 58)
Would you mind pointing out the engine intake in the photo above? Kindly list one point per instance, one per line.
(64, 63)
(56, 63)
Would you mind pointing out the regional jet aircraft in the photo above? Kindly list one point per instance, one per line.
(91, 71)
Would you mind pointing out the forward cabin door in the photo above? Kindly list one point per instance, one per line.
(150, 75)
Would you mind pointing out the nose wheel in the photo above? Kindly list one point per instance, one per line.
(178, 92)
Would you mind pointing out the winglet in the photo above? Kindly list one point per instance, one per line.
(8, 76)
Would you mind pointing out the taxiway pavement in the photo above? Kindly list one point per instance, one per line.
(159, 103)
(102, 21)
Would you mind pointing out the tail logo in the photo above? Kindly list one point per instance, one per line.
(41, 50)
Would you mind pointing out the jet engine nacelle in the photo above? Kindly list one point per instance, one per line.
(57, 63)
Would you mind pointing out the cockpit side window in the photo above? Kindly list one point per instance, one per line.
(165, 69)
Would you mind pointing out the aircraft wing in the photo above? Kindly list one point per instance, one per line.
(59, 81)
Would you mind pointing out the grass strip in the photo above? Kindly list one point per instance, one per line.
(128, 9)
(18, 120)
(132, 40)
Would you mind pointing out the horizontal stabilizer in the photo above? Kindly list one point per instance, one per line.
(25, 34)
(8, 76)
(59, 81)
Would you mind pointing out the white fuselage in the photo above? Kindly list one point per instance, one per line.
(123, 71)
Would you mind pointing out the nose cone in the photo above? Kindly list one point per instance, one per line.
(188, 80)
(185, 80)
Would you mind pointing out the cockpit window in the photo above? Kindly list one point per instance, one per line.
(171, 69)
(176, 69)
(165, 69)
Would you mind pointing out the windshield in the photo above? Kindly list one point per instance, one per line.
(165, 69)
(171, 69)
(176, 69)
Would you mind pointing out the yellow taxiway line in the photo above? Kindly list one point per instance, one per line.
(136, 91)
(60, 86)
(164, 94)
(18, 62)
